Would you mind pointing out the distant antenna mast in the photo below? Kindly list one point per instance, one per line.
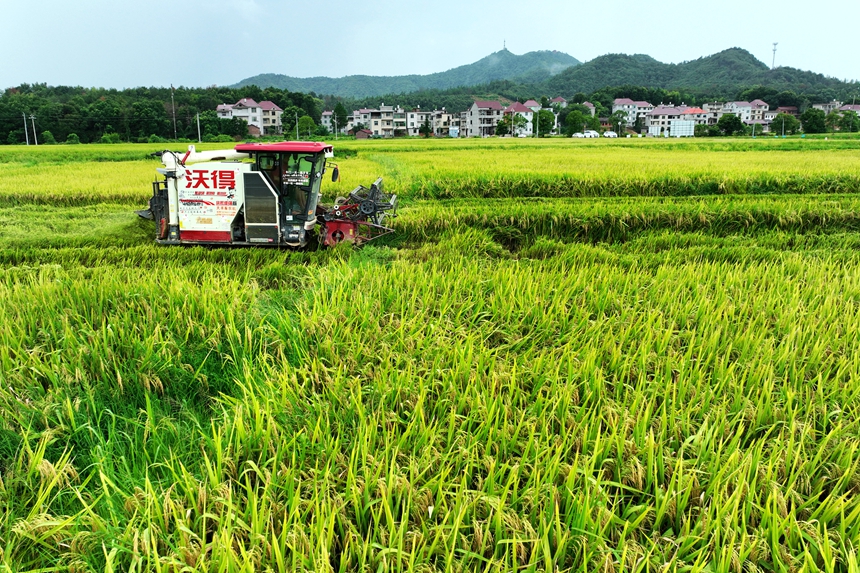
(773, 64)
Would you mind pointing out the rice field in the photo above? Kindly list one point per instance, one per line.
(629, 356)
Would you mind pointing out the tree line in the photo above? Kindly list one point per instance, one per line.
(87, 115)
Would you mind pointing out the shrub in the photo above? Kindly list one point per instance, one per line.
(73, 139)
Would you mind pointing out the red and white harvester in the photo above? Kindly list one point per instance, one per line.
(222, 198)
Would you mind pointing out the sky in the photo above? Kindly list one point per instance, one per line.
(198, 43)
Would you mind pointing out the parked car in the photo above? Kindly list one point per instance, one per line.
(591, 133)
(610, 134)
(578, 134)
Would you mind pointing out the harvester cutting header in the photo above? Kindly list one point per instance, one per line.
(219, 198)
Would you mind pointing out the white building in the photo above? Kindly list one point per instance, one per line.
(661, 117)
(520, 109)
(387, 121)
(828, 107)
(415, 119)
(263, 118)
(634, 109)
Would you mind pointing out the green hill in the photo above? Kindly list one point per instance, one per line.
(533, 67)
(724, 73)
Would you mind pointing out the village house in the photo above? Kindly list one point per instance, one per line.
(789, 109)
(263, 118)
(482, 119)
(387, 121)
(828, 107)
(415, 119)
(441, 121)
(634, 109)
(663, 118)
(518, 108)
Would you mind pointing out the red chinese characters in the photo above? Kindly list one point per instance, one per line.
(201, 178)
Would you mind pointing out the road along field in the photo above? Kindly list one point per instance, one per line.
(573, 355)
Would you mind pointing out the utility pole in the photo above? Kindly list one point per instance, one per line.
(26, 129)
(773, 64)
(334, 117)
(33, 122)
(173, 105)
(783, 125)
(297, 125)
(198, 128)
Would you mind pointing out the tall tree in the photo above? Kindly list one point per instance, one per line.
(619, 120)
(813, 121)
(307, 125)
(340, 115)
(850, 121)
(785, 124)
(575, 122)
(730, 124)
(543, 122)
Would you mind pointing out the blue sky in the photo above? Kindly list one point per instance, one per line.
(128, 43)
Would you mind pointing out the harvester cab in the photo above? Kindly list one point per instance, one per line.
(222, 198)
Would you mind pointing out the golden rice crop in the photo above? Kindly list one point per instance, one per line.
(538, 384)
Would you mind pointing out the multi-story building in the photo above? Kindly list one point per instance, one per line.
(661, 117)
(387, 121)
(742, 109)
(482, 119)
(559, 101)
(714, 110)
(361, 118)
(828, 107)
(263, 118)
(532, 105)
(415, 119)
(590, 107)
(518, 108)
(327, 120)
(634, 109)
(441, 121)
(758, 109)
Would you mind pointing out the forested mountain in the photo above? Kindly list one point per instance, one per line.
(730, 74)
(721, 75)
(532, 67)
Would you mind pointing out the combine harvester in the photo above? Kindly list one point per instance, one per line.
(219, 198)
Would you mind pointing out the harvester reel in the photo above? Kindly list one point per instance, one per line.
(359, 217)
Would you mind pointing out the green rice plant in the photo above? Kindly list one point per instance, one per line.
(632, 383)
